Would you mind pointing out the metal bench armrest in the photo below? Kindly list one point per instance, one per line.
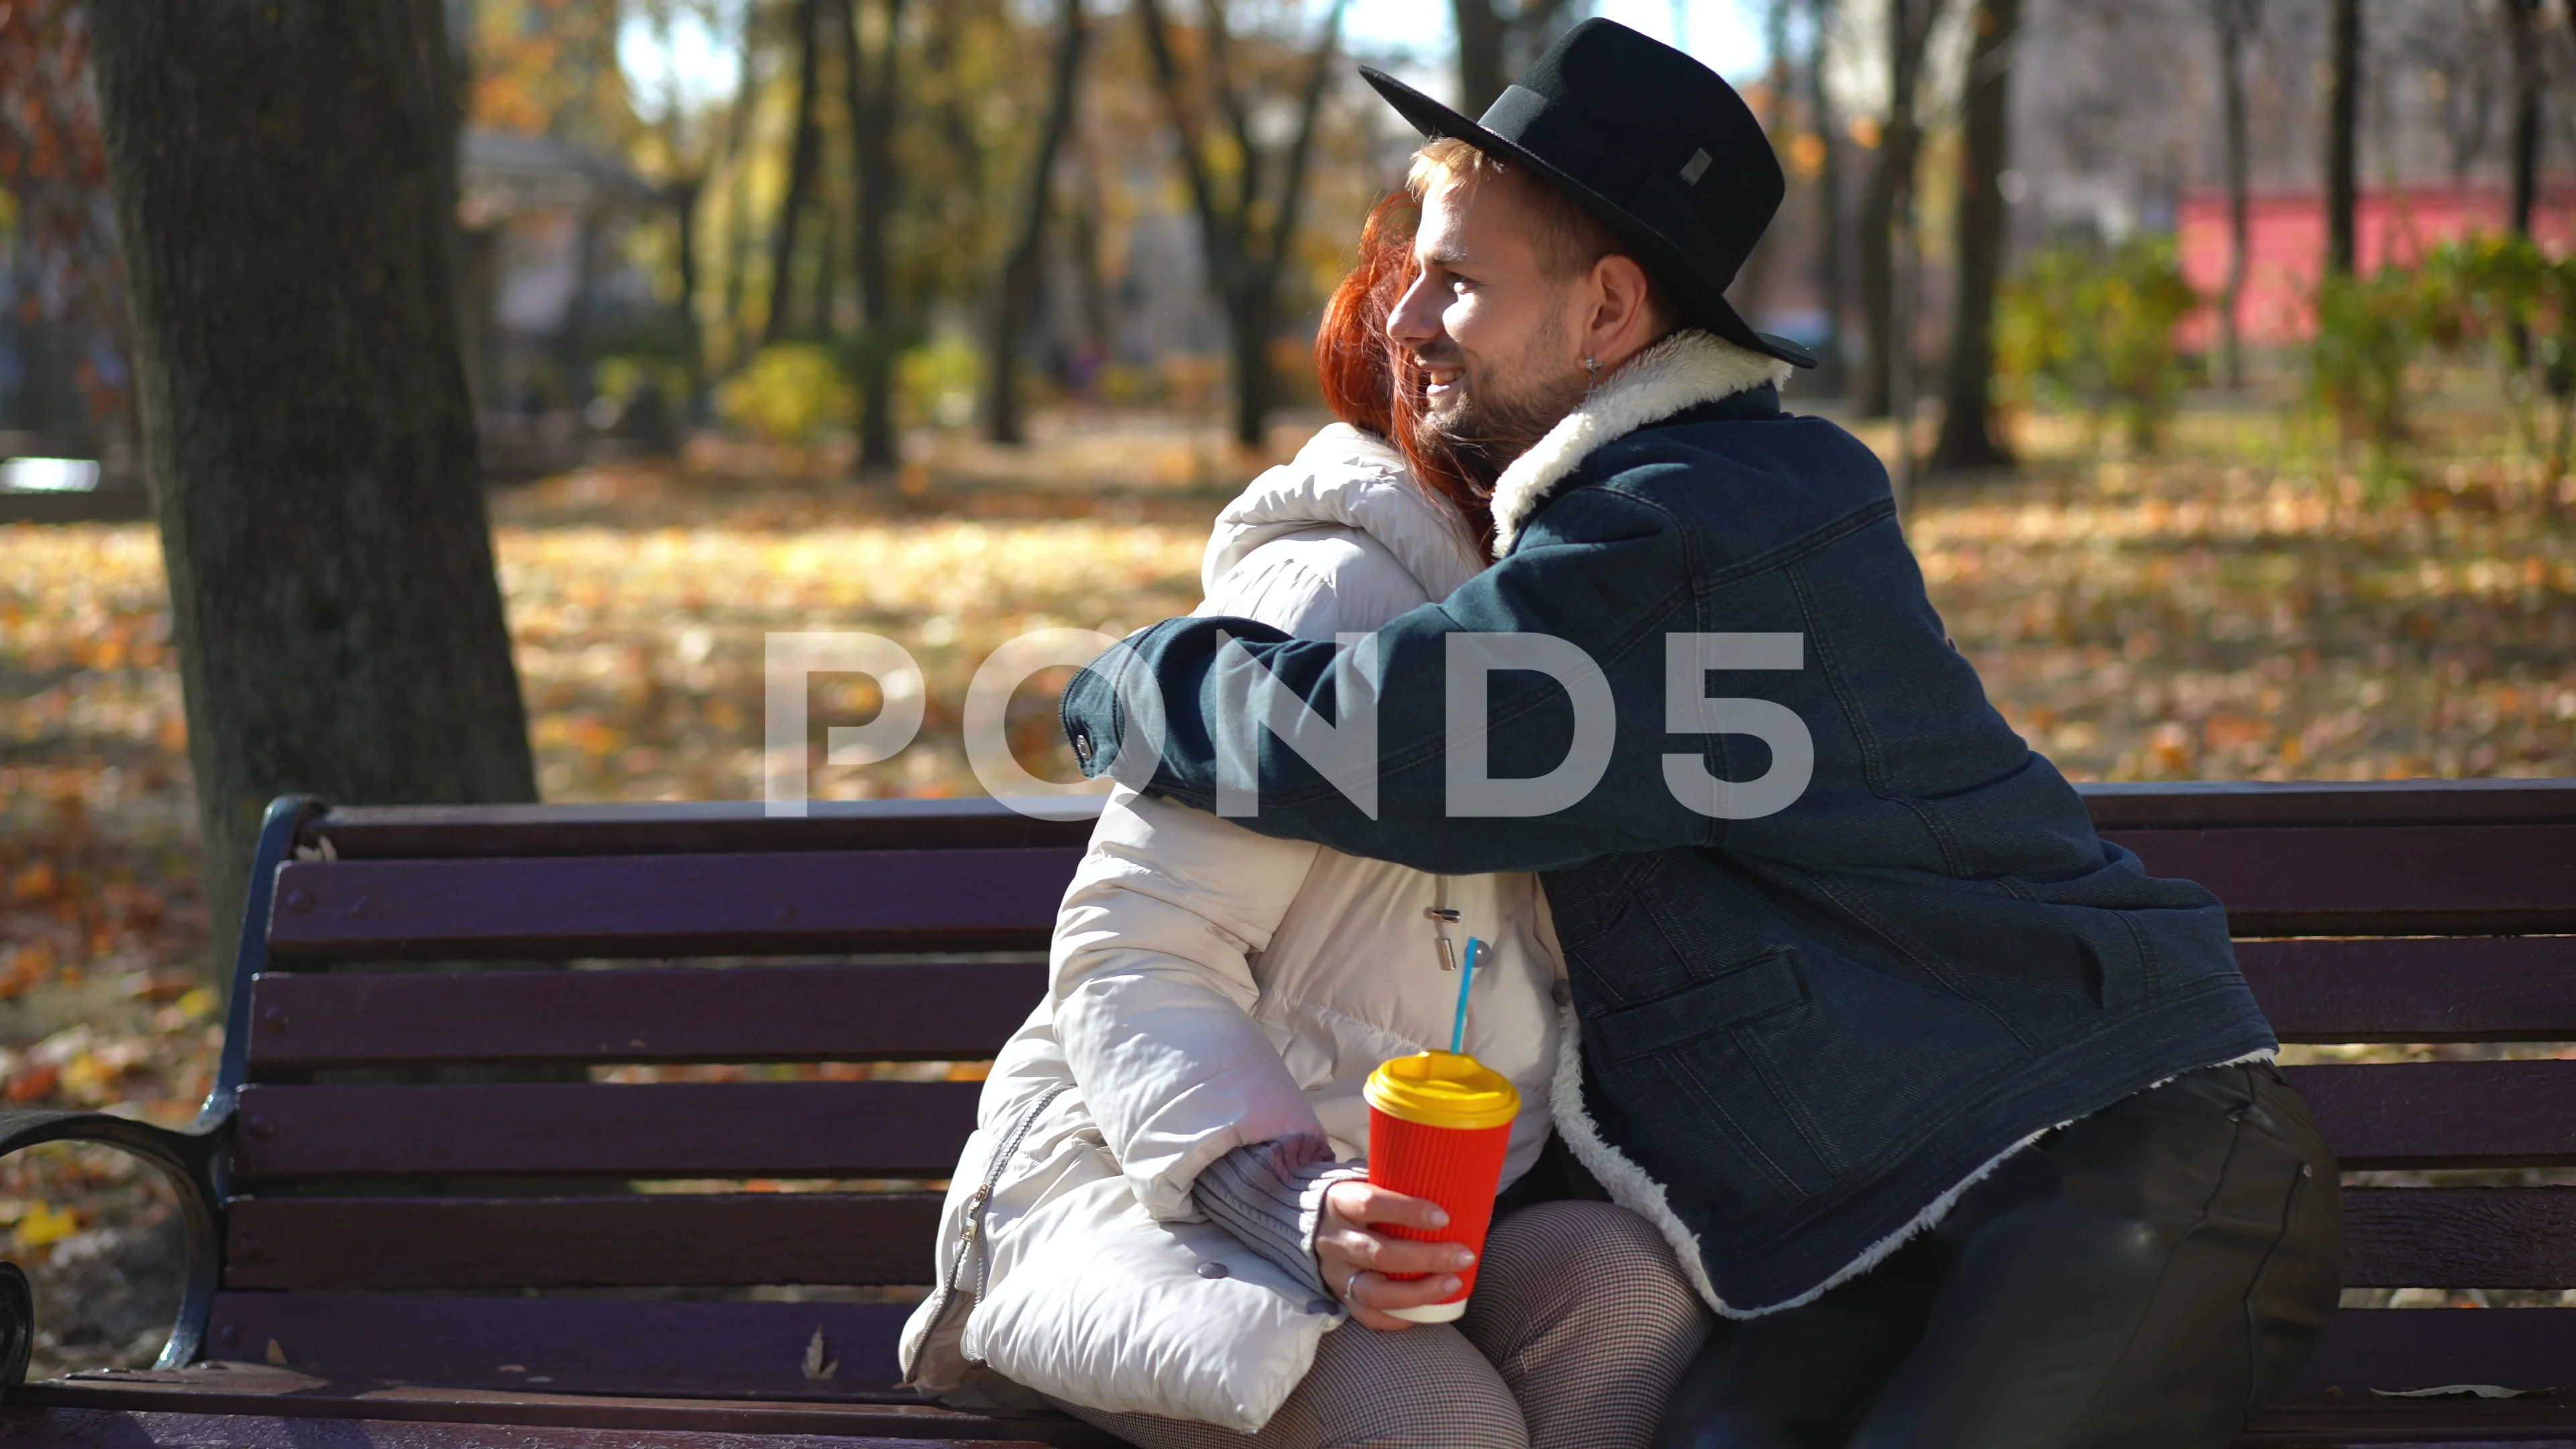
(188, 1160)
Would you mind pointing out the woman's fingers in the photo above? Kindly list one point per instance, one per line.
(1377, 1253)
(1366, 1202)
(1376, 1290)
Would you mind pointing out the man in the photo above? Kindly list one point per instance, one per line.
(1967, 1121)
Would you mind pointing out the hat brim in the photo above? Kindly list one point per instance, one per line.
(1705, 305)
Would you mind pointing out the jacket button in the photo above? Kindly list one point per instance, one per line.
(1214, 1270)
(1322, 1305)
(1082, 744)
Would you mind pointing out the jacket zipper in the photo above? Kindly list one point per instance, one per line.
(971, 1234)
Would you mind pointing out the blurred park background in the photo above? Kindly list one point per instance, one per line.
(2225, 351)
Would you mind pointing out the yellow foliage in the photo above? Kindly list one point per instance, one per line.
(789, 394)
(42, 1225)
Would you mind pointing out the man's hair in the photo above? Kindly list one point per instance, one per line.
(1569, 239)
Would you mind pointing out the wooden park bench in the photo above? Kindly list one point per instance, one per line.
(417, 1215)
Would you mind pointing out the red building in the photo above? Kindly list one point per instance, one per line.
(2287, 248)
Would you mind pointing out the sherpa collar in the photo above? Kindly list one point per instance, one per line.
(1684, 370)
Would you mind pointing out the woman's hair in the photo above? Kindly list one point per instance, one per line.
(1372, 384)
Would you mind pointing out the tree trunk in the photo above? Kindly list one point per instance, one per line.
(1967, 424)
(803, 159)
(1245, 263)
(1099, 325)
(307, 432)
(740, 229)
(684, 194)
(1017, 297)
(2235, 18)
(1829, 204)
(1255, 384)
(1481, 34)
(872, 111)
(2343, 134)
(1256, 390)
(1909, 25)
(2521, 15)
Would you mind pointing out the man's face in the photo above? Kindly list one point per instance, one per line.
(1495, 330)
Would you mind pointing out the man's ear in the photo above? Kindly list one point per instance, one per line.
(1625, 320)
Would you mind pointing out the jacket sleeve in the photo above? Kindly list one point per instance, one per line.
(1607, 574)
(1153, 992)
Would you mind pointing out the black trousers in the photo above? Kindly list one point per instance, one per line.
(2142, 1279)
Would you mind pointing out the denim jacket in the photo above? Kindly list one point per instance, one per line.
(1810, 1018)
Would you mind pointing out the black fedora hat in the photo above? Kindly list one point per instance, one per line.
(1654, 143)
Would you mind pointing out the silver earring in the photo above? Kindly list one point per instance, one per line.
(1592, 365)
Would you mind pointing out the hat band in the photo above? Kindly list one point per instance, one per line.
(1557, 135)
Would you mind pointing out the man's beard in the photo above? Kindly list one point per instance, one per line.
(1490, 424)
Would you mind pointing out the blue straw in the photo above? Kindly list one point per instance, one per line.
(1466, 976)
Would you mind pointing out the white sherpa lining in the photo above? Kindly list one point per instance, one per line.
(1684, 370)
(1631, 1187)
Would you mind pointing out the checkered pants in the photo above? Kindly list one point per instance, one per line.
(1580, 1325)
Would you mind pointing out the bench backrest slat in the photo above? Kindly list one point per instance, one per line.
(571, 1345)
(638, 1241)
(2489, 1237)
(2376, 880)
(669, 1129)
(750, 903)
(2445, 1114)
(474, 832)
(908, 1011)
(2398, 1237)
(2423, 989)
(2394, 1349)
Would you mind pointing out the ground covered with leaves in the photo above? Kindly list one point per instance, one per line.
(2239, 607)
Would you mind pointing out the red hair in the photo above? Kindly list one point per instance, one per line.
(1372, 384)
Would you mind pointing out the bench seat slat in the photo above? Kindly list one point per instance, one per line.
(646, 1240)
(2379, 880)
(936, 1011)
(754, 903)
(2465, 1237)
(672, 1129)
(2429, 989)
(2445, 1114)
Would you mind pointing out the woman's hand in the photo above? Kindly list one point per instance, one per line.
(1356, 1261)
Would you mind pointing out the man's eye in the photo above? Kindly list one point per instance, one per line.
(1461, 285)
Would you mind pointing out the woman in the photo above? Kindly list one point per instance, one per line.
(1159, 1225)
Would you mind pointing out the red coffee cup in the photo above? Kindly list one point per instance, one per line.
(1440, 1124)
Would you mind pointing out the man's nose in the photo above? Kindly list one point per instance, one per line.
(1414, 319)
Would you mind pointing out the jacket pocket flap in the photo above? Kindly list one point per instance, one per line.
(1768, 983)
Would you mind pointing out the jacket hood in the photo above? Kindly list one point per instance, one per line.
(1346, 478)
(1683, 371)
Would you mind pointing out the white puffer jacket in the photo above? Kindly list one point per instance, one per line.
(1213, 987)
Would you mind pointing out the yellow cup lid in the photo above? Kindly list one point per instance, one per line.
(1443, 1089)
